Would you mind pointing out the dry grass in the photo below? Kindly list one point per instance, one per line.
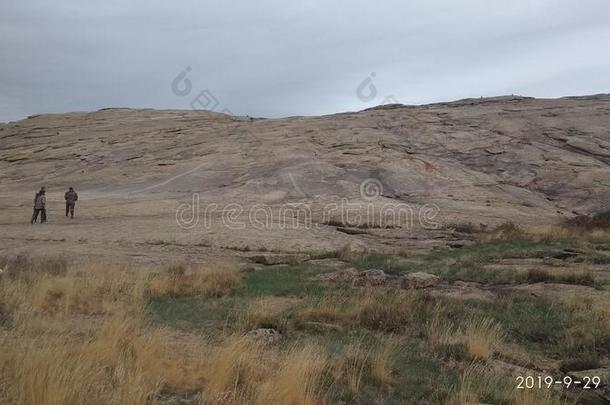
(439, 330)
(351, 367)
(483, 337)
(387, 310)
(381, 361)
(536, 396)
(297, 379)
(234, 364)
(263, 312)
(26, 267)
(178, 281)
(53, 369)
(79, 336)
(509, 230)
(479, 383)
(330, 308)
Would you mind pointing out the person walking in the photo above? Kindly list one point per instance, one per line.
(71, 197)
(40, 206)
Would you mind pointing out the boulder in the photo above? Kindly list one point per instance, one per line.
(419, 280)
(370, 278)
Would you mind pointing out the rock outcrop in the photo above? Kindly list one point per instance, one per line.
(384, 178)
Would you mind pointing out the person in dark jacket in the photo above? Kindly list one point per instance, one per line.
(40, 206)
(71, 197)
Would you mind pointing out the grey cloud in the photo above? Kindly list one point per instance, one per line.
(271, 58)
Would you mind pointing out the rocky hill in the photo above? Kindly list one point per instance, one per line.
(339, 178)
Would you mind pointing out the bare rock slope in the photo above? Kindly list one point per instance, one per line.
(483, 161)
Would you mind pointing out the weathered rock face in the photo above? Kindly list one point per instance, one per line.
(378, 278)
(482, 161)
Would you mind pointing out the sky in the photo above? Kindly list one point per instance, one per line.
(269, 58)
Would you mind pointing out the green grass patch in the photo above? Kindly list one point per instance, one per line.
(190, 312)
(545, 276)
(199, 312)
(528, 320)
(283, 281)
(467, 263)
(421, 376)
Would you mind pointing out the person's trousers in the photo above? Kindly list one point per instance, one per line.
(43, 215)
(70, 209)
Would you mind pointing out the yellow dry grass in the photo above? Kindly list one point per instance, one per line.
(296, 380)
(382, 359)
(78, 336)
(439, 330)
(206, 282)
(483, 337)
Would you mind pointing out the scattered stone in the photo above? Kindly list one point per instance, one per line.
(265, 335)
(370, 278)
(272, 258)
(419, 280)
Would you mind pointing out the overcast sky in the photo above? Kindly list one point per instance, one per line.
(279, 58)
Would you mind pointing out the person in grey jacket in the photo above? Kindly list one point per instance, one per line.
(71, 197)
(40, 206)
